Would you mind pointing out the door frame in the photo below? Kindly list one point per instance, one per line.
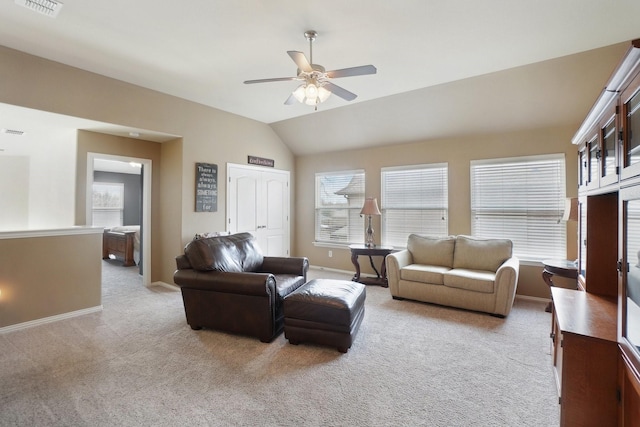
(261, 170)
(145, 242)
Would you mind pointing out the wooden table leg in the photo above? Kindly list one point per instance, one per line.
(354, 260)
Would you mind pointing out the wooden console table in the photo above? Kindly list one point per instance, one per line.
(585, 357)
(382, 251)
(558, 267)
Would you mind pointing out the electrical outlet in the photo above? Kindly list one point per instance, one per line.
(330, 254)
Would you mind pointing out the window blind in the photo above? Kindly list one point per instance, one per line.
(521, 199)
(414, 199)
(339, 200)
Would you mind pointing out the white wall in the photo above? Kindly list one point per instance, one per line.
(14, 200)
(37, 187)
(52, 180)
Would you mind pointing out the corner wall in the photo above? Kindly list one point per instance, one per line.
(208, 135)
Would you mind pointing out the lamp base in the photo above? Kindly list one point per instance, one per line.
(369, 241)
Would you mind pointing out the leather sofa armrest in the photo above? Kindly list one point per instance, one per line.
(182, 262)
(258, 284)
(298, 266)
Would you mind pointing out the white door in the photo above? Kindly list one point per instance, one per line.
(258, 203)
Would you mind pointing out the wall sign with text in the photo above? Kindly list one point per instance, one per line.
(206, 187)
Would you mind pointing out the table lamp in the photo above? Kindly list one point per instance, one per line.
(370, 208)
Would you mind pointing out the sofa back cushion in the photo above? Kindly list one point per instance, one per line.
(429, 250)
(481, 254)
(234, 253)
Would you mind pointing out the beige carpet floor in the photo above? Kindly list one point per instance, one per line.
(137, 363)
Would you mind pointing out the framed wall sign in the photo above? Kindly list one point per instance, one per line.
(206, 187)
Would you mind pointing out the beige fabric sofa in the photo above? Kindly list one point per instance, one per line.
(457, 271)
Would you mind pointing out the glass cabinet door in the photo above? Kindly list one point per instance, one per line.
(594, 156)
(609, 137)
(631, 270)
(582, 237)
(583, 168)
(631, 129)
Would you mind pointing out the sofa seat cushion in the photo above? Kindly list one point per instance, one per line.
(287, 283)
(471, 280)
(431, 250)
(432, 274)
(481, 254)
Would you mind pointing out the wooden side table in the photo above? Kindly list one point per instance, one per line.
(382, 251)
(558, 267)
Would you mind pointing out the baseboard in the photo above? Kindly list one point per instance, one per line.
(50, 319)
(530, 298)
(165, 285)
(334, 270)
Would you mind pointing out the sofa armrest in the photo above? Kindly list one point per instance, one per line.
(182, 262)
(298, 266)
(257, 284)
(506, 285)
(395, 261)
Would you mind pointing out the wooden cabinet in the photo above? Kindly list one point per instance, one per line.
(596, 334)
(585, 355)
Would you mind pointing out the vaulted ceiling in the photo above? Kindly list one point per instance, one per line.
(445, 68)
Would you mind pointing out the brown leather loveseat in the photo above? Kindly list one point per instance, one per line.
(227, 284)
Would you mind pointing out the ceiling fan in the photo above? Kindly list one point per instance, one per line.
(317, 86)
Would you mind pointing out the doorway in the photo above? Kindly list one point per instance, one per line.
(145, 223)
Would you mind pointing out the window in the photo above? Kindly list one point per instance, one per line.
(521, 199)
(108, 204)
(414, 200)
(339, 199)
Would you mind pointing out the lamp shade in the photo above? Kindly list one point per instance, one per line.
(370, 207)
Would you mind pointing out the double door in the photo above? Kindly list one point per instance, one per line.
(258, 203)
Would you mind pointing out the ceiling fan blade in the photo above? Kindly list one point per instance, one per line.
(338, 91)
(290, 100)
(353, 71)
(300, 60)
(277, 79)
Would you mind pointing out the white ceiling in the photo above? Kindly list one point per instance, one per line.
(204, 49)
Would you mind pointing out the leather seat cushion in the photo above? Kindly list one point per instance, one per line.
(287, 283)
(335, 302)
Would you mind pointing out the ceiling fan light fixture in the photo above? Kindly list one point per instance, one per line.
(323, 94)
(311, 92)
(298, 94)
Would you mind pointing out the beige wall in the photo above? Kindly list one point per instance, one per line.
(36, 281)
(457, 153)
(92, 142)
(208, 135)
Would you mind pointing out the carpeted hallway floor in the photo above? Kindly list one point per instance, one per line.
(137, 363)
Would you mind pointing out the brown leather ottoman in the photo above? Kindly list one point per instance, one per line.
(324, 311)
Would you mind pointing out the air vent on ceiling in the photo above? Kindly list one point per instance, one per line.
(12, 132)
(45, 7)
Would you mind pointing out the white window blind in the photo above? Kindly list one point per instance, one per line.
(339, 199)
(414, 200)
(107, 204)
(521, 199)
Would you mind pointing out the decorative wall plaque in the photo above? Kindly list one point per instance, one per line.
(206, 187)
(261, 161)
